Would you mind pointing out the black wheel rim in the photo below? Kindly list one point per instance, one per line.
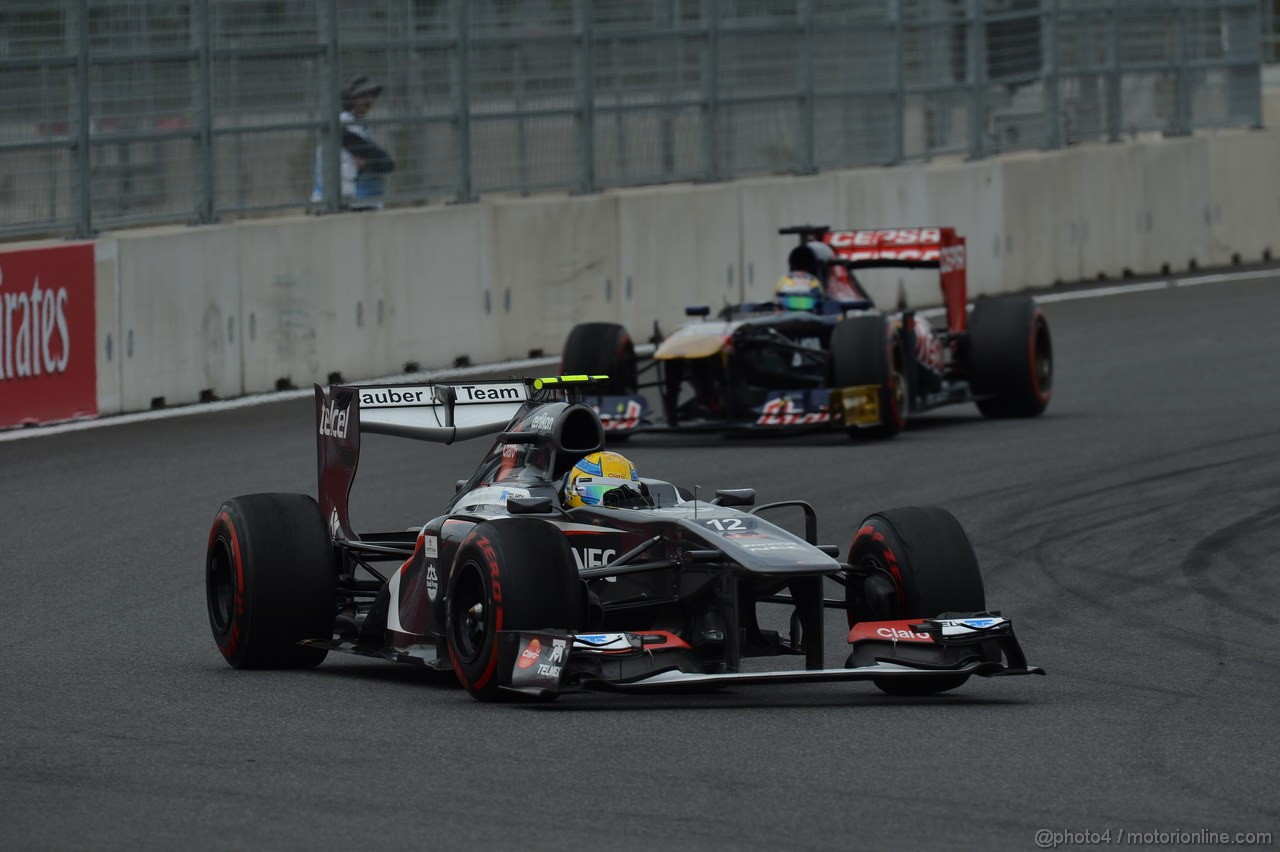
(220, 585)
(468, 613)
(1044, 359)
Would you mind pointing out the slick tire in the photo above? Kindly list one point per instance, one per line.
(601, 349)
(270, 581)
(933, 569)
(1010, 357)
(863, 352)
(509, 574)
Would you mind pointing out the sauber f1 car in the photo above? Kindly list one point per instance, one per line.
(841, 363)
(518, 596)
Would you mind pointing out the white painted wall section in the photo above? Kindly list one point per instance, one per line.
(308, 308)
(433, 269)
(106, 309)
(179, 301)
(555, 265)
(677, 246)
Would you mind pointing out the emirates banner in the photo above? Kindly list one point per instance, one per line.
(48, 354)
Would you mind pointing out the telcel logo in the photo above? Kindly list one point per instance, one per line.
(897, 634)
(333, 421)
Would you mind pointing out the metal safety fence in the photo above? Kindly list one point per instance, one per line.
(126, 112)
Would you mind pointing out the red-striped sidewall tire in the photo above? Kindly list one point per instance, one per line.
(1010, 357)
(934, 571)
(509, 574)
(270, 581)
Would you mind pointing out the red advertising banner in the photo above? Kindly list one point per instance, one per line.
(48, 350)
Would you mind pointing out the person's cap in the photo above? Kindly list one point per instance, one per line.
(360, 86)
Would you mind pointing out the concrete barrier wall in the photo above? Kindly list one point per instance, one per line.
(671, 254)
(307, 307)
(1244, 195)
(106, 309)
(438, 293)
(555, 264)
(179, 296)
(764, 206)
(247, 307)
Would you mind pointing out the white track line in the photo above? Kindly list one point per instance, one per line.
(20, 433)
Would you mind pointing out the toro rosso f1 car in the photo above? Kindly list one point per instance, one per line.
(842, 363)
(518, 596)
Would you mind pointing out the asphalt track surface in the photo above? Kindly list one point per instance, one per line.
(1131, 533)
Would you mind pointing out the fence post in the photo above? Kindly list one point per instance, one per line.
(205, 207)
(586, 98)
(1181, 79)
(809, 119)
(1260, 57)
(83, 160)
(463, 116)
(1049, 71)
(977, 80)
(710, 93)
(899, 83)
(1115, 111)
(331, 161)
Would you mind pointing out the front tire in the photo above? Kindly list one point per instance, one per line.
(928, 557)
(1010, 357)
(270, 581)
(863, 352)
(509, 574)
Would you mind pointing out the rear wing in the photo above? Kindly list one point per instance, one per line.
(912, 248)
(442, 413)
(905, 248)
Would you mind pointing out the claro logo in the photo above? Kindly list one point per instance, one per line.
(34, 339)
(898, 634)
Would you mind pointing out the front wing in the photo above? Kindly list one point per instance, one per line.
(547, 663)
(782, 410)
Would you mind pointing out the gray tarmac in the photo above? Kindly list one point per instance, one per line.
(1131, 532)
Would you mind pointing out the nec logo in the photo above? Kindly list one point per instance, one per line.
(333, 421)
(593, 557)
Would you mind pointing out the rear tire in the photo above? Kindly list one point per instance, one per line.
(270, 581)
(509, 574)
(864, 353)
(934, 571)
(1010, 357)
(602, 349)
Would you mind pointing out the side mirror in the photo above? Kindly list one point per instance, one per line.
(697, 311)
(457, 486)
(530, 505)
(735, 497)
(847, 305)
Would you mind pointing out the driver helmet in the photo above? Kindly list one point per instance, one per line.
(605, 479)
(799, 291)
